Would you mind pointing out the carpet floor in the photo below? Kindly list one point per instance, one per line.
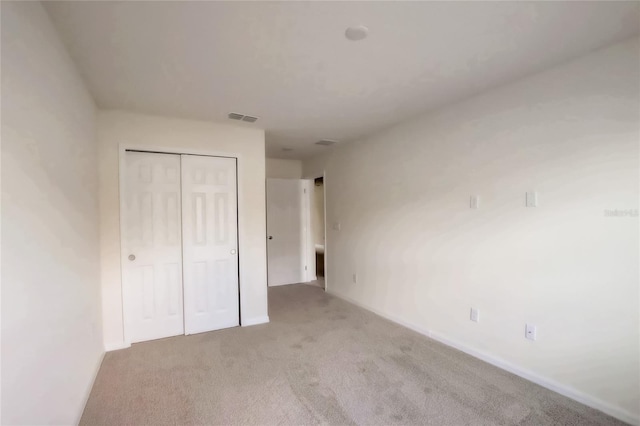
(320, 360)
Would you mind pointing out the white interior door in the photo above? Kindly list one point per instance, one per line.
(210, 243)
(285, 231)
(151, 244)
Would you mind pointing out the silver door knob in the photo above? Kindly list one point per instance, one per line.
(271, 237)
(233, 251)
(132, 257)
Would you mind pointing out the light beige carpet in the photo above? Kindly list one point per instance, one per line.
(320, 360)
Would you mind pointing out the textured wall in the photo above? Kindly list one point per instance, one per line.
(283, 169)
(423, 257)
(51, 319)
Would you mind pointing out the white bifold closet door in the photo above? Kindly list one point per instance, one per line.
(180, 260)
(152, 246)
(210, 243)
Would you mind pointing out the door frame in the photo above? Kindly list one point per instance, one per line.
(311, 248)
(308, 272)
(122, 152)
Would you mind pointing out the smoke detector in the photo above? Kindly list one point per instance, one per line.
(326, 142)
(242, 117)
(356, 33)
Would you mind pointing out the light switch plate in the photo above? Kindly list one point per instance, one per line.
(532, 199)
(336, 226)
(474, 202)
(475, 315)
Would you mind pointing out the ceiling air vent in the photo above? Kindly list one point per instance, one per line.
(242, 117)
(326, 142)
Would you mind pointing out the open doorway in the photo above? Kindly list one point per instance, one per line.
(317, 213)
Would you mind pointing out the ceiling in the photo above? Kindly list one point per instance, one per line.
(290, 64)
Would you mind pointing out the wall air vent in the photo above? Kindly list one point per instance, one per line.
(287, 149)
(235, 116)
(326, 142)
(249, 119)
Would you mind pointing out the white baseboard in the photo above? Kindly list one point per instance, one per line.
(117, 346)
(255, 321)
(87, 391)
(545, 382)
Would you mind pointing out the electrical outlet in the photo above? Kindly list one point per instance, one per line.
(475, 315)
(530, 331)
(355, 278)
(531, 199)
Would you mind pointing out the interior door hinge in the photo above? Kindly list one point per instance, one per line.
(305, 267)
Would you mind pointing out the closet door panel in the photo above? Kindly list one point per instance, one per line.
(151, 246)
(210, 243)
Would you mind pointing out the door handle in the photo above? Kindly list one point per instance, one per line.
(271, 237)
(132, 257)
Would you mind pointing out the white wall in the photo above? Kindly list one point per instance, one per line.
(51, 319)
(145, 131)
(314, 167)
(283, 169)
(423, 257)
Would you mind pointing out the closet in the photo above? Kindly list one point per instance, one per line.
(179, 244)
